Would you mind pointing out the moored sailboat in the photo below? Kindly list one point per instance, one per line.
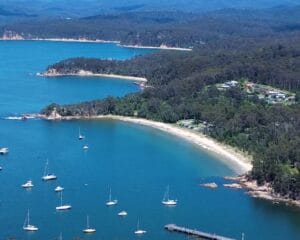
(138, 230)
(48, 176)
(166, 200)
(62, 206)
(27, 226)
(88, 229)
(80, 136)
(111, 202)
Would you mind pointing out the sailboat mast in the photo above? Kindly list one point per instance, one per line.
(61, 199)
(109, 194)
(45, 169)
(168, 192)
(28, 220)
(87, 222)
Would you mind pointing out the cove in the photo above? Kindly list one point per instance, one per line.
(136, 162)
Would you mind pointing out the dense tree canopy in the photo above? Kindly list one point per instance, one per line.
(182, 86)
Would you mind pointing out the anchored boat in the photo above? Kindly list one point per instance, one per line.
(88, 229)
(48, 176)
(166, 200)
(58, 189)
(62, 206)
(138, 230)
(4, 150)
(27, 226)
(28, 184)
(111, 202)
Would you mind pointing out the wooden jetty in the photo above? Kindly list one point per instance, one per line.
(197, 233)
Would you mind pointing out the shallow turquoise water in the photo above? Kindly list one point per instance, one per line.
(136, 162)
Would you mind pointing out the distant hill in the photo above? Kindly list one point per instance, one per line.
(175, 29)
(82, 8)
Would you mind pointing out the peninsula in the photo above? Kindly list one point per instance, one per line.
(196, 89)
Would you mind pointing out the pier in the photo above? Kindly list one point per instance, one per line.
(197, 233)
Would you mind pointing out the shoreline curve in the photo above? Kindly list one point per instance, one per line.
(238, 161)
(83, 73)
(85, 40)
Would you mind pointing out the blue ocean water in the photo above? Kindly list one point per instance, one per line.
(136, 162)
(23, 91)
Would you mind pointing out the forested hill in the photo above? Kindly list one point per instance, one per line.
(176, 29)
(275, 65)
(184, 85)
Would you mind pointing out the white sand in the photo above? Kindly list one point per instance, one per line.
(162, 47)
(85, 40)
(237, 160)
(81, 40)
(83, 73)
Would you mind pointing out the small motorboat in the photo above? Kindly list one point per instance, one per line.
(122, 214)
(58, 189)
(28, 184)
(4, 151)
(49, 177)
(85, 147)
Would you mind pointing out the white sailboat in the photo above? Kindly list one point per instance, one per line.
(138, 230)
(28, 184)
(27, 226)
(111, 202)
(48, 176)
(63, 206)
(88, 229)
(166, 200)
(80, 136)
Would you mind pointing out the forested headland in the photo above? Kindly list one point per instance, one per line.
(183, 86)
(257, 46)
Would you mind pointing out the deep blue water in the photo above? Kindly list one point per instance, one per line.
(135, 161)
(23, 91)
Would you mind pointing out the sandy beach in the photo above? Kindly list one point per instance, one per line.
(237, 160)
(83, 73)
(162, 47)
(18, 37)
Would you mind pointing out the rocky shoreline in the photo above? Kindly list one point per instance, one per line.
(259, 191)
